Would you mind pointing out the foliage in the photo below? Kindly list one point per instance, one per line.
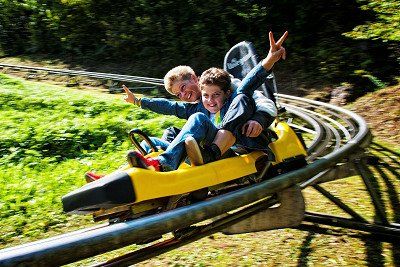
(157, 35)
(50, 136)
(385, 26)
(31, 188)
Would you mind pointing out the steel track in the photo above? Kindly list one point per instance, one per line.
(333, 136)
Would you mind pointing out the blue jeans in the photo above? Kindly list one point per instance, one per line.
(200, 128)
(158, 142)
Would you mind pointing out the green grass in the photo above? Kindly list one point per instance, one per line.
(51, 135)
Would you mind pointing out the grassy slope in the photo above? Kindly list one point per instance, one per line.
(33, 181)
(49, 137)
(381, 110)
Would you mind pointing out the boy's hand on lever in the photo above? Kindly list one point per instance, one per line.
(252, 128)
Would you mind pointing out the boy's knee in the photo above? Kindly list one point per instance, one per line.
(197, 117)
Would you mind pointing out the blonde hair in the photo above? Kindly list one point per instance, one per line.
(178, 73)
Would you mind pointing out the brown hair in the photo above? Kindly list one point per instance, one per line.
(179, 73)
(216, 76)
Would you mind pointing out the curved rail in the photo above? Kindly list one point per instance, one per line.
(329, 145)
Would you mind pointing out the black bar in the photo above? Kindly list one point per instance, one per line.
(366, 176)
(340, 204)
(198, 233)
(391, 230)
(382, 148)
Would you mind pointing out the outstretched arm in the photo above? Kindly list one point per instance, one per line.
(162, 105)
(257, 76)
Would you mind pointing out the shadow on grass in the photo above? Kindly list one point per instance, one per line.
(374, 248)
(388, 169)
(305, 250)
(383, 178)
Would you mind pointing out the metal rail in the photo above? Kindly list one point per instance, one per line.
(97, 75)
(332, 142)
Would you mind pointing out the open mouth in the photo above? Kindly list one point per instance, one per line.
(212, 107)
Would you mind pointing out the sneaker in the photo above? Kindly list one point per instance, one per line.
(201, 155)
(135, 159)
(91, 176)
(193, 151)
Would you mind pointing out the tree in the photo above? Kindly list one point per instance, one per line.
(387, 24)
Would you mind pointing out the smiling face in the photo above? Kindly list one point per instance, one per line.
(213, 97)
(215, 86)
(182, 82)
(187, 90)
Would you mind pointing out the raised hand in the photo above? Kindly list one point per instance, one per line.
(276, 51)
(129, 97)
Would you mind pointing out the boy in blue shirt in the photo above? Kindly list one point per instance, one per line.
(217, 112)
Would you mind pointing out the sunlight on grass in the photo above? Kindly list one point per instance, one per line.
(51, 135)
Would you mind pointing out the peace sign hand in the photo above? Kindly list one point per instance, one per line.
(276, 51)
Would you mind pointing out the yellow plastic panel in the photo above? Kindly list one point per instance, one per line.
(150, 184)
(288, 144)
